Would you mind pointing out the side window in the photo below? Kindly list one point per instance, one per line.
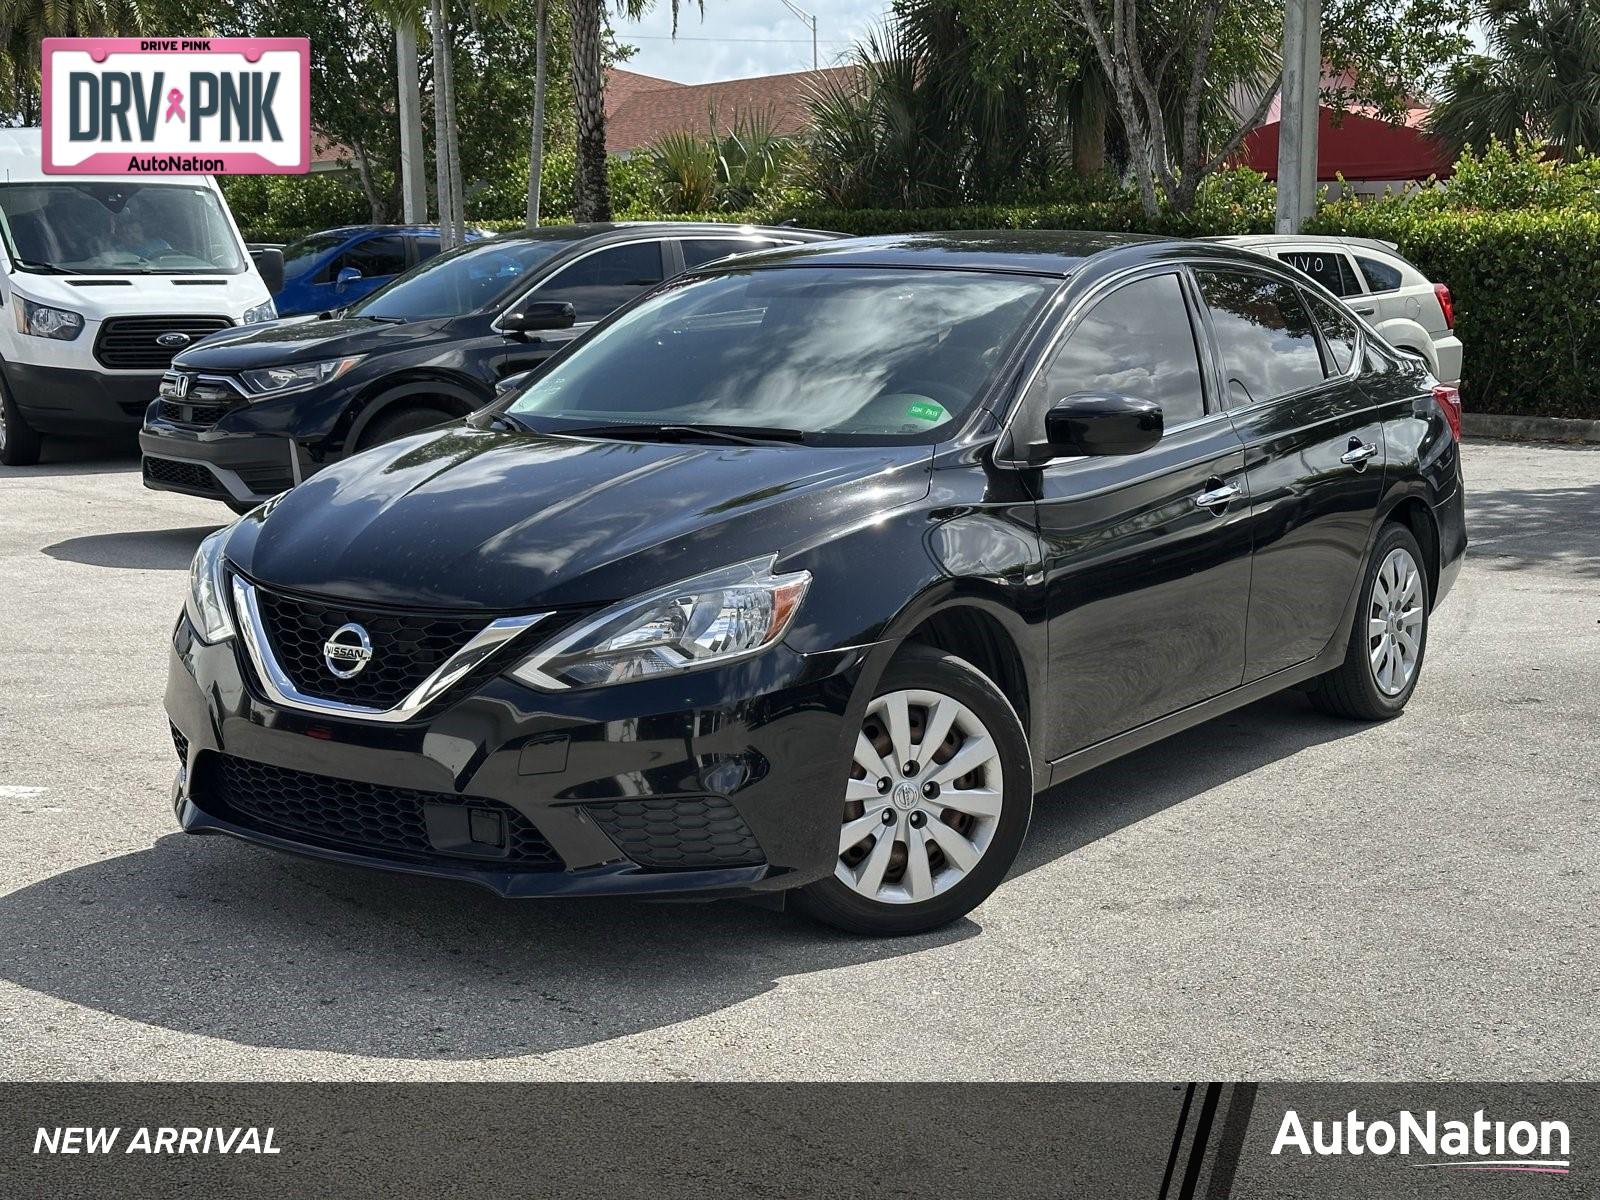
(704, 250)
(426, 248)
(1268, 345)
(374, 258)
(1328, 267)
(1138, 341)
(1339, 335)
(606, 279)
(1380, 276)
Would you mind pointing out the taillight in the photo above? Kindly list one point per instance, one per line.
(1447, 304)
(1449, 401)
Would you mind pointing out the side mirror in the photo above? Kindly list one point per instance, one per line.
(269, 265)
(512, 382)
(346, 275)
(1102, 423)
(539, 314)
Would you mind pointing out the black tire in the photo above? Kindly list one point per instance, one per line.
(408, 420)
(835, 903)
(19, 443)
(1352, 689)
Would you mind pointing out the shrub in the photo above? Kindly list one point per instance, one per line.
(285, 202)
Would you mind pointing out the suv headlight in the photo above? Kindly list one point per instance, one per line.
(40, 320)
(260, 313)
(207, 603)
(274, 381)
(711, 619)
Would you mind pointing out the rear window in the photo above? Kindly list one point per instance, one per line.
(1339, 336)
(1328, 267)
(1380, 276)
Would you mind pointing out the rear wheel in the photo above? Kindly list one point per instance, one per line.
(1384, 658)
(937, 803)
(19, 444)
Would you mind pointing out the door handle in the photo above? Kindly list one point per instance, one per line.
(1215, 498)
(1358, 454)
(1365, 312)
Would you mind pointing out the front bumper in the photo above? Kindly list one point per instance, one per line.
(243, 468)
(67, 400)
(726, 781)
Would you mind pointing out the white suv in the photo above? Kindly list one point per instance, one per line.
(1409, 310)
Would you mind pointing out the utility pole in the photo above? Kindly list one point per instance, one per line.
(811, 20)
(1297, 118)
(413, 179)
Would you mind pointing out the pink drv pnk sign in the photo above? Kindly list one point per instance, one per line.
(163, 106)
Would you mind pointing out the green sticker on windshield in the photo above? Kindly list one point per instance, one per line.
(926, 410)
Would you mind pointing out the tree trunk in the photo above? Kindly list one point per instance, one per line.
(441, 128)
(458, 208)
(536, 143)
(375, 203)
(593, 202)
(1089, 131)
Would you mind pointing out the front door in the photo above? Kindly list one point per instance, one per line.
(1313, 452)
(1146, 557)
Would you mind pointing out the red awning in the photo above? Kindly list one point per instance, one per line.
(1357, 147)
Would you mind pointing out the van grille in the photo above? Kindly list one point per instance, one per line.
(129, 343)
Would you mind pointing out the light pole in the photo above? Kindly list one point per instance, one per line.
(1297, 113)
(811, 20)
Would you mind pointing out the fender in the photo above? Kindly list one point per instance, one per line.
(1405, 334)
(387, 393)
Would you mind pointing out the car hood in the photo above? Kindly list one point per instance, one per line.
(300, 340)
(514, 522)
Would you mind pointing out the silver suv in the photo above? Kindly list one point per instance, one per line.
(1410, 311)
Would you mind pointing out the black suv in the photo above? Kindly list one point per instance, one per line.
(809, 570)
(245, 414)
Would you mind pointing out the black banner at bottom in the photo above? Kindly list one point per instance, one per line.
(1181, 1141)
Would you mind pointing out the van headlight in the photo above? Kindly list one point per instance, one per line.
(274, 381)
(207, 604)
(40, 320)
(260, 313)
(705, 621)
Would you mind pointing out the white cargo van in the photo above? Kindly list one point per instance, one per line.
(103, 278)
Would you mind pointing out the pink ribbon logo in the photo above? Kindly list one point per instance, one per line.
(175, 105)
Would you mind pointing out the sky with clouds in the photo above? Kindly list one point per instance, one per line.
(740, 38)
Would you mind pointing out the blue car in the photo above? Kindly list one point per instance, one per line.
(337, 267)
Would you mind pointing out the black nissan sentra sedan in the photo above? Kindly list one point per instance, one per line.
(804, 573)
(246, 413)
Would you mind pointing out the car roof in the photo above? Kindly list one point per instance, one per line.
(622, 230)
(1293, 239)
(1057, 253)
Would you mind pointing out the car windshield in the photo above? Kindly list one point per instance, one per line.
(459, 282)
(299, 257)
(842, 353)
(118, 229)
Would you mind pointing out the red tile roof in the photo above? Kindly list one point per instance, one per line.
(624, 85)
(640, 114)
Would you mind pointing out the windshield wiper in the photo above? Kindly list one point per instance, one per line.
(44, 268)
(746, 435)
(385, 320)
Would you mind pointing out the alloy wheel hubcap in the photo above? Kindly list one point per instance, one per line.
(1394, 623)
(923, 799)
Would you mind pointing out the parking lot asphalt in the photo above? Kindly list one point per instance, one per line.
(1275, 895)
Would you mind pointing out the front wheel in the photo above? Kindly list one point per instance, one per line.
(19, 444)
(936, 805)
(1384, 658)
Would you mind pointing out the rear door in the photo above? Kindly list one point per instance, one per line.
(1146, 557)
(1313, 452)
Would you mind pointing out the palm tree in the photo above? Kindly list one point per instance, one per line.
(541, 44)
(1540, 79)
(24, 22)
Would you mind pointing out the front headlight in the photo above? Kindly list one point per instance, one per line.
(40, 320)
(274, 381)
(701, 622)
(260, 313)
(207, 604)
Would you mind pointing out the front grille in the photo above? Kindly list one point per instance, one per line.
(406, 647)
(696, 831)
(200, 415)
(266, 479)
(348, 814)
(129, 343)
(182, 474)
